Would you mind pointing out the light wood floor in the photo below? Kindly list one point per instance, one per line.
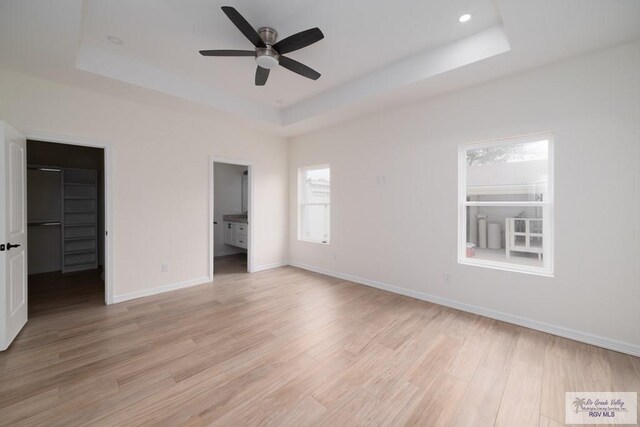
(286, 347)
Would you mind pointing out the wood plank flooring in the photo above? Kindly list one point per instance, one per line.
(286, 347)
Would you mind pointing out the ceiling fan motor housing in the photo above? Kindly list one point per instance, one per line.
(268, 35)
(267, 53)
(267, 57)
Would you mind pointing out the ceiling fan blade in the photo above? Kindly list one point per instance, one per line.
(244, 27)
(299, 68)
(227, 53)
(261, 76)
(299, 40)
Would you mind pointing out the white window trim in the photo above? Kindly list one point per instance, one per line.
(301, 172)
(547, 211)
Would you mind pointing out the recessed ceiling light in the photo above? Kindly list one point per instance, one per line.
(464, 18)
(279, 101)
(115, 40)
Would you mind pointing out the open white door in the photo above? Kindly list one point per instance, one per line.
(13, 234)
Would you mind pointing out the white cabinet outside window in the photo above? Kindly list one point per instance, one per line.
(314, 203)
(505, 198)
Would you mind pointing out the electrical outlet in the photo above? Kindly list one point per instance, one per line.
(447, 277)
(164, 267)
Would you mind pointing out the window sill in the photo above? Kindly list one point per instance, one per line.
(536, 271)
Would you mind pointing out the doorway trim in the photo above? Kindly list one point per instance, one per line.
(108, 197)
(217, 159)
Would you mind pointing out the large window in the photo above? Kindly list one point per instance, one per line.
(314, 187)
(506, 204)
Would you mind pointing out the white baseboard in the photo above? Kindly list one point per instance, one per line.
(622, 347)
(185, 284)
(160, 289)
(269, 266)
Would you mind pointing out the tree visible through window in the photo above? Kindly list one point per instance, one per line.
(314, 203)
(507, 153)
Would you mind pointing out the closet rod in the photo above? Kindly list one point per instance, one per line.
(43, 223)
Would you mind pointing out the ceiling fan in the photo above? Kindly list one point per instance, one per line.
(267, 52)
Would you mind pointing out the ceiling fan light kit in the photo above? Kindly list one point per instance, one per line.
(268, 51)
(267, 57)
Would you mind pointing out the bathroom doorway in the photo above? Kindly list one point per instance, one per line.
(231, 227)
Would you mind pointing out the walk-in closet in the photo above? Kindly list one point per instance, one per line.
(65, 211)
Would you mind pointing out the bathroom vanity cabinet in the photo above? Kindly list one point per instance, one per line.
(236, 234)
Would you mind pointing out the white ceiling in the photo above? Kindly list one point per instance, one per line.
(375, 53)
(360, 36)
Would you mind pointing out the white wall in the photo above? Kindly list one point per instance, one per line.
(160, 176)
(403, 233)
(227, 181)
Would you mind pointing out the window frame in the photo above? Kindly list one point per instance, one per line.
(547, 207)
(301, 204)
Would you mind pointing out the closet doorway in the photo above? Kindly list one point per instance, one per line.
(66, 227)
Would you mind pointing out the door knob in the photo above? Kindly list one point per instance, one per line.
(10, 246)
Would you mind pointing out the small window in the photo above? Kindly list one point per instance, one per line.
(506, 204)
(314, 187)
